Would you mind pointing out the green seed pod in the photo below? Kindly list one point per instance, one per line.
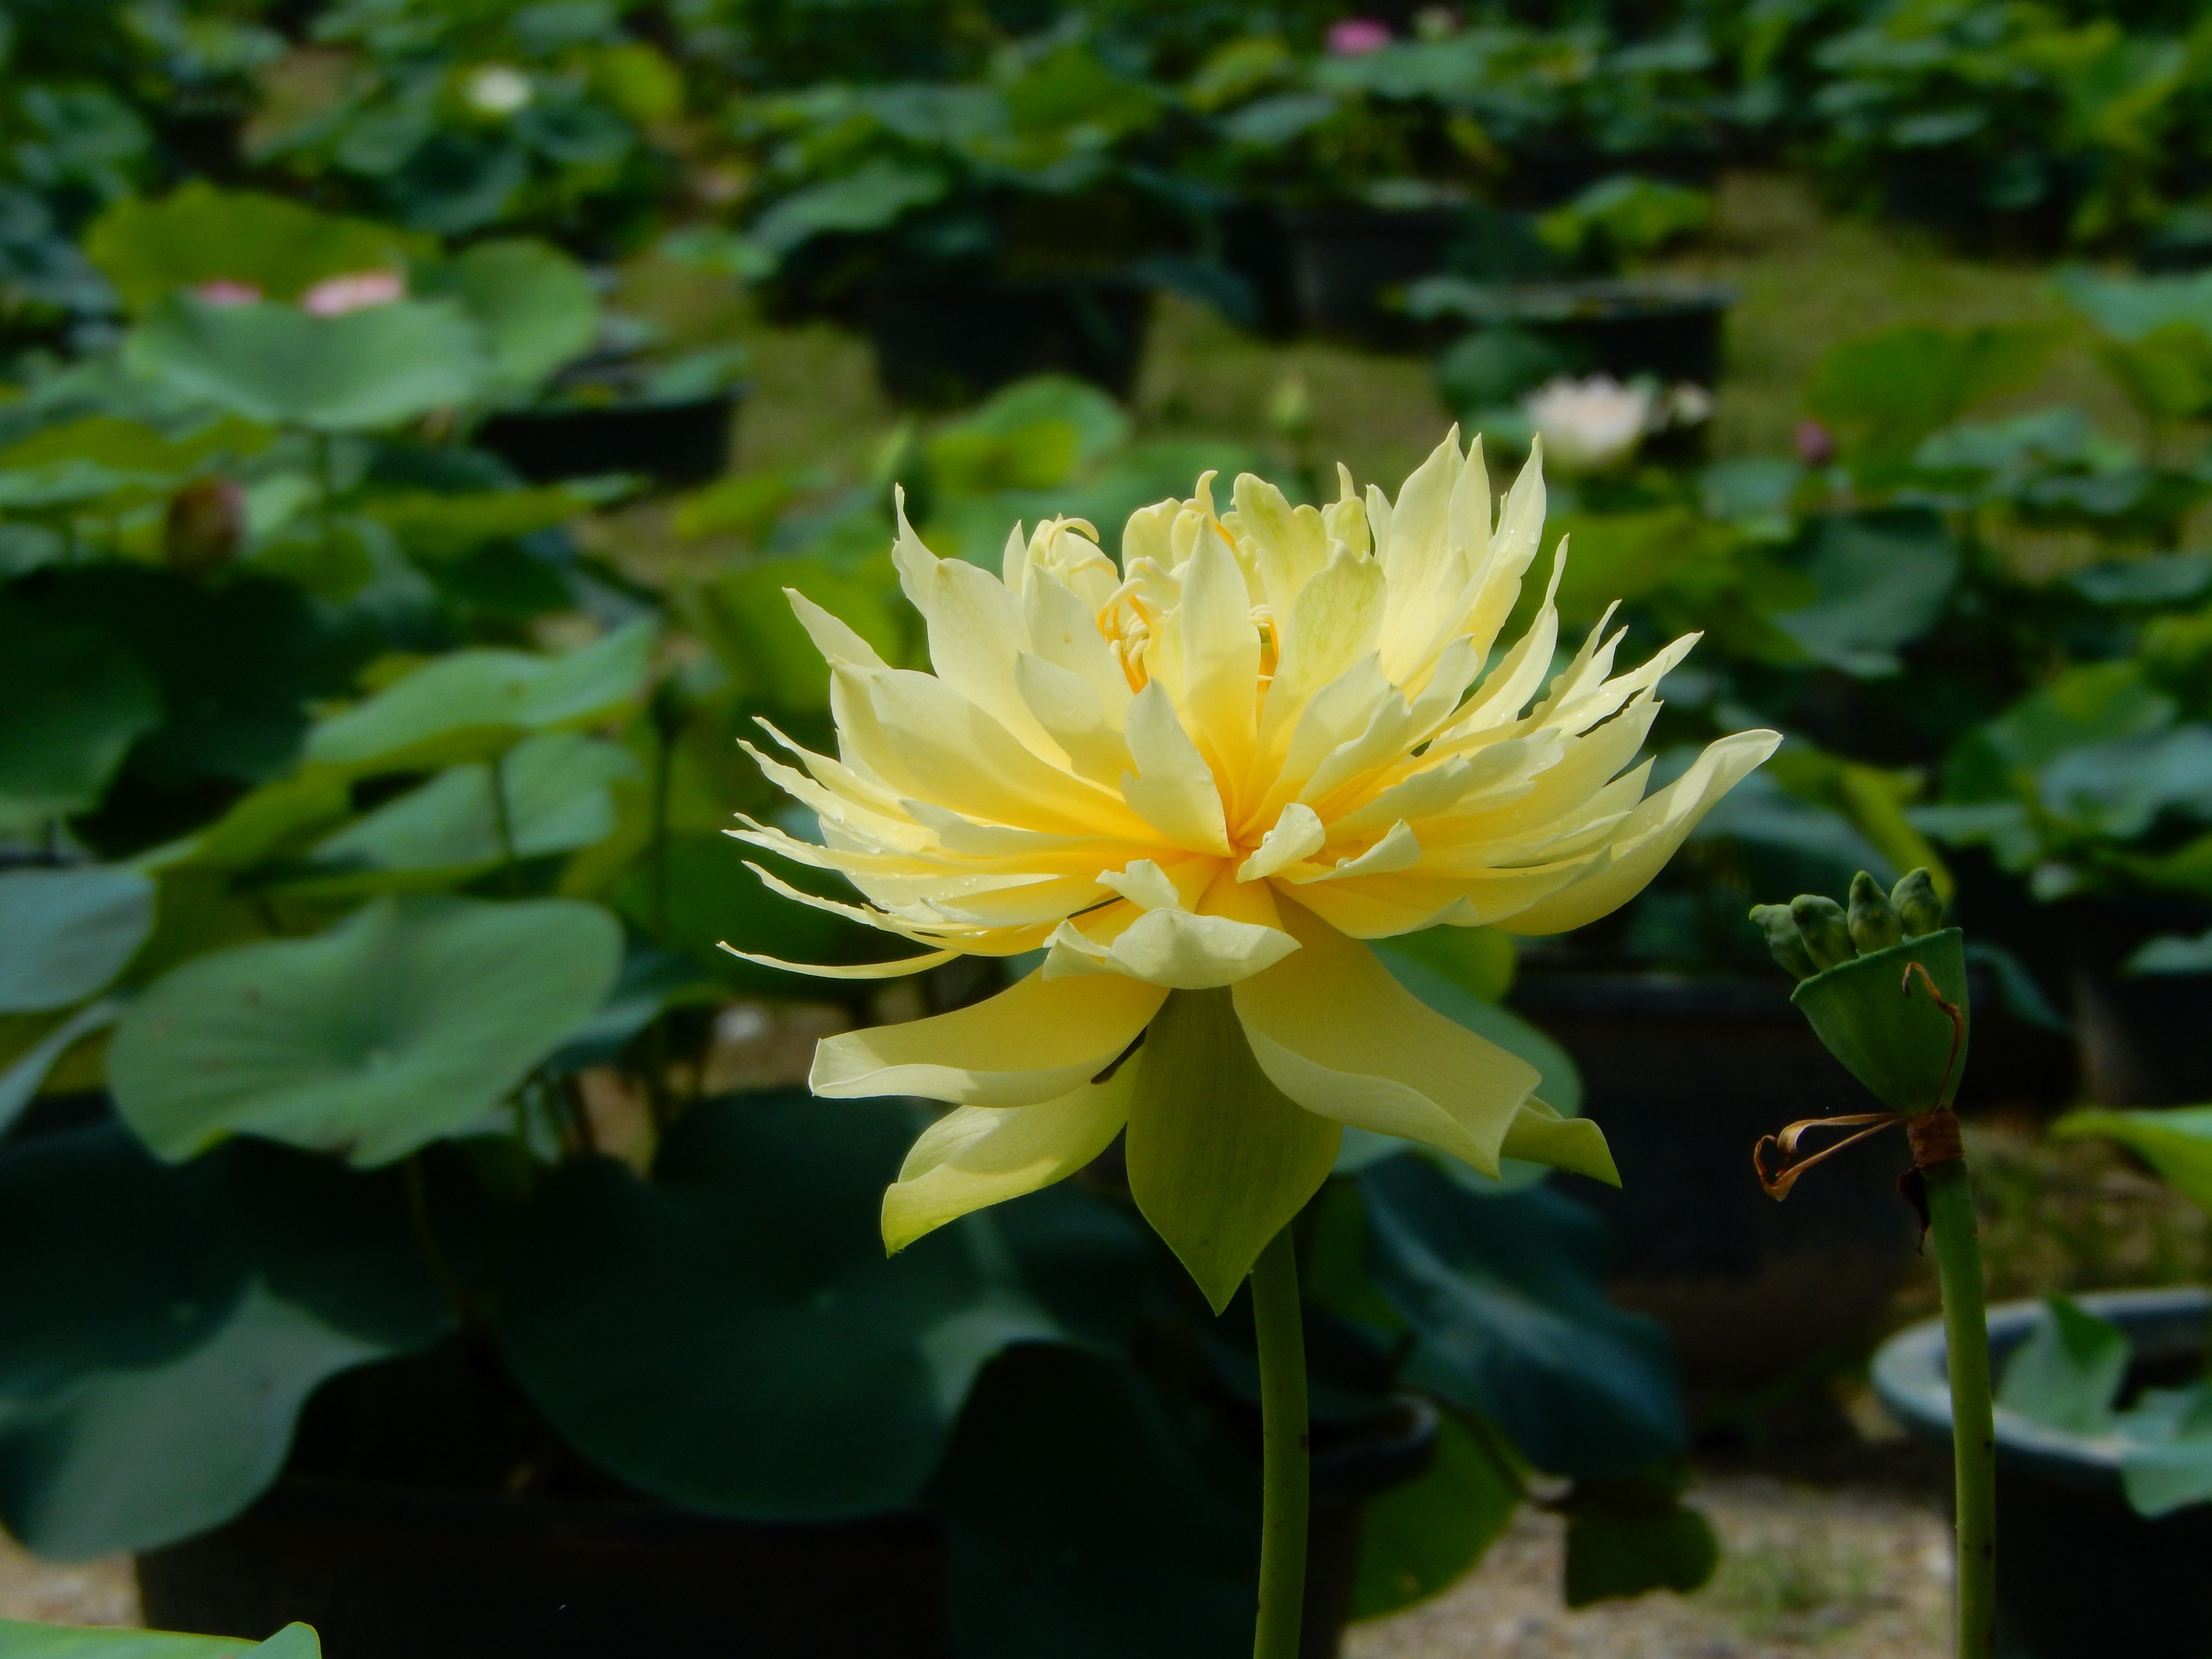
(1826, 930)
(1875, 1014)
(1917, 903)
(1875, 926)
(1784, 939)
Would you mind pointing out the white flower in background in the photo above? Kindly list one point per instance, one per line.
(1590, 425)
(357, 290)
(498, 89)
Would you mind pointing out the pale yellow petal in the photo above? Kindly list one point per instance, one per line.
(1298, 835)
(897, 969)
(1172, 789)
(1335, 1031)
(975, 1156)
(1035, 1041)
(1648, 837)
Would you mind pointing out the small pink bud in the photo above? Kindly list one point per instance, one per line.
(1816, 446)
(358, 290)
(1355, 37)
(224, 292)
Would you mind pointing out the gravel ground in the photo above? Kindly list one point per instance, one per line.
(1852, 1571)
(1849, 1572)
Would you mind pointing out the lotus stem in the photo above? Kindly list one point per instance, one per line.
(1283, 1460)
(1974, 1436)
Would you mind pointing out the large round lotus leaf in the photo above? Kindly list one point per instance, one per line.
(475, 703)
(558, 794)
(75, 698)
(64, 934)
(201, 235)
(355, 372)
(1507, 1297)
(535, 306)
(159, 1327)
(731, 1336)
(236, 664)
(410, 1020)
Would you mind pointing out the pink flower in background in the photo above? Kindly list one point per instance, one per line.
(224, 292)
(1816, 446)
(357, 290)
(1355, 37)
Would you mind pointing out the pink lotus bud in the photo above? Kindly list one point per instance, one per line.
(357, 290)
(1816, 446)
(1355, 37)
(224, 292)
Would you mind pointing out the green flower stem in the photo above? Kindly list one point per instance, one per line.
(1283, 1432)
(1973, 1437)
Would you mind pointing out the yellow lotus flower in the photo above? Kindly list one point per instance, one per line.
(1197, 782)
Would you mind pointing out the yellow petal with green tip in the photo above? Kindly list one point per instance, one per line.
(1540, 1135)
(1219, 1159)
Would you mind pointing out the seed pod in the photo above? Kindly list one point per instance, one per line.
(1826, 930)
(1919, 906)
(205, 525)
(1784, 939)
(1875, 926)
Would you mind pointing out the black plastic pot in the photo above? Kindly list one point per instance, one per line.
(676, 443)
(1684, 1075)
(385, 1571)
(2142, 1036)
(1621, 326)
(1349, 267)
(942, 343)
(2080, 1574)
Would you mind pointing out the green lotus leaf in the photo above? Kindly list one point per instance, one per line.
(21, 1641)
(534, 306)
(1507, 1296)
(558, 791)
(76, 698)
(161, 1327)
(473, 704)
(409, 1021)
(362, 370)
(2174, 1141)
(200, 233)
(65, 933)
(731, 1335)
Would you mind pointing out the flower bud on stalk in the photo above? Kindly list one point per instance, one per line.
(1875, 926)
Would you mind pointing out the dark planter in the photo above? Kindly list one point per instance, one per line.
(1622, 326)
(2142, 1037)
(942, 343)
(384, 1571)
(676, 443)
(1685, 1075)
(1349, 267)
(2080, 1574)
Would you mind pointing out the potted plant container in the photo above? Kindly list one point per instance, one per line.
(1685, 1073)
(2080, 1574)
(686, 442)
(1622, 326)
(2141, 1035)
(382, 1569)
(943, 341)
(1349, 266)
